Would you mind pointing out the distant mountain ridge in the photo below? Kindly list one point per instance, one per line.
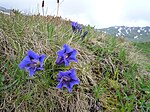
(137, 34)
(3, 9)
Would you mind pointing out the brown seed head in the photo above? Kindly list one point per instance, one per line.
(43, 3)
(57, 1)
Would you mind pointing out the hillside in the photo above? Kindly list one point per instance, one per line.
(104, 74)
(137, 34)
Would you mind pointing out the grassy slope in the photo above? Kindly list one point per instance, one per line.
(144, 48)
(111, 76)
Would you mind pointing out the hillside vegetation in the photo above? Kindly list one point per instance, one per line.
(111, 72)
(144, 49)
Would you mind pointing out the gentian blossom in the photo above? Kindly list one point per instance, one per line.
(32, 62)
(67, 79)
(76, 27)
(84, 34)
(66, 55)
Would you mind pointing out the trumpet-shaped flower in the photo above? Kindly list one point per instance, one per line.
(66, 55)
(67, 79)
(32, 62)
(76, 27)
(84, 34)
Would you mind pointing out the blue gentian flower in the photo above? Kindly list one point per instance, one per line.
(66, 55)
(32, 62)
(84, 34)
(76, 27)
(67, 79)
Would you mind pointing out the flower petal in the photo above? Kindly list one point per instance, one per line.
(73, 56)
(74, 24)
(39, 68)
(60, 60)
(25, 62)
(79, 27)
(61, 52)
(41, 59)
(31, 71)
(72, 83)
(60, 75)
(66, 62)
(32, 54)
(60, 85)
(68, 87)
(67, 48)
(73, 74)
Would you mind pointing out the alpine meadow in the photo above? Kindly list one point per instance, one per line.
(51, 64)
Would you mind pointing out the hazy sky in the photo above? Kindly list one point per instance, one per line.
(98, 13)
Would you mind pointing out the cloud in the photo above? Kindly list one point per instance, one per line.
(135, 13)
(76, 10)
(136, 10)
(99, 13)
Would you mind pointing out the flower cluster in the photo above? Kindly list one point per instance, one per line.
(34, 62)
(76, 27)
(67, 79)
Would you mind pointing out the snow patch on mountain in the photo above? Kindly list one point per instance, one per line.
(119, 30)
(141, 34)
(136, 37)
(139, 31)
